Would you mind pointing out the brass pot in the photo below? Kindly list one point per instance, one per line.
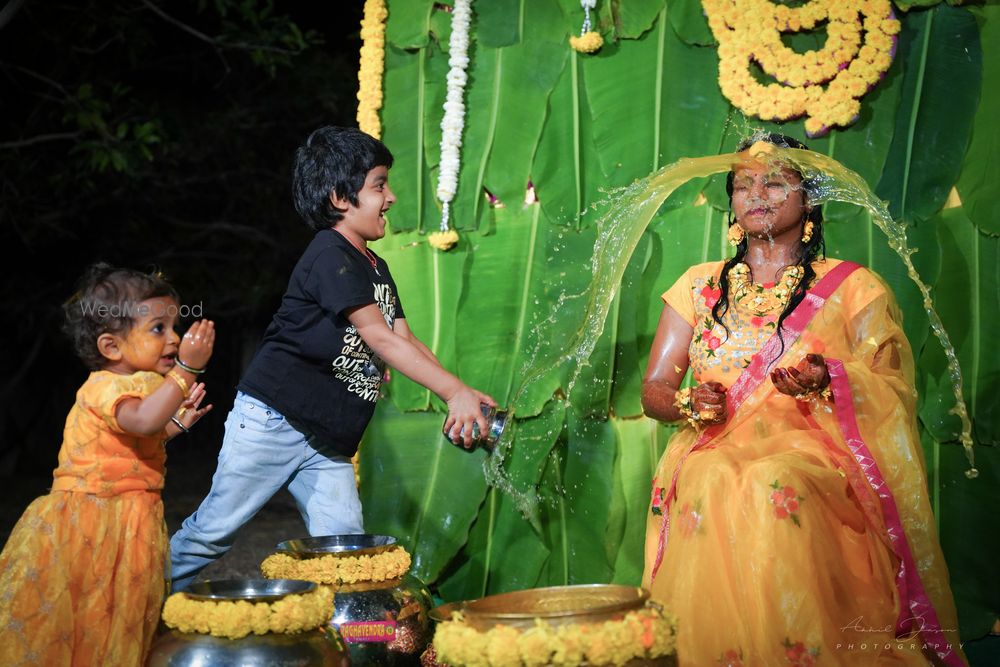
(556, 605)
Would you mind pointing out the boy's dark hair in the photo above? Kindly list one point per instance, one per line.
(333, 159)
(104, 303)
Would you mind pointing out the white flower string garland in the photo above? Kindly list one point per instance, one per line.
(860, 45)
(589, 40)
(453, 121)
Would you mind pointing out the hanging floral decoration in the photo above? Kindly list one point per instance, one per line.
(639, 635)
(453, 121)
(238, 618)
(589, 40)
(372, 67)
(825, 85)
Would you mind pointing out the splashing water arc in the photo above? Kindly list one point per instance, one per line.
(620, 230)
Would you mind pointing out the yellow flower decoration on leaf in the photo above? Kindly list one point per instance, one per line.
(443, 240)
(588, 42)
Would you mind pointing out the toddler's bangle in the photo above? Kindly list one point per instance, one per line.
(185, 367)
(178, 424)
(181, 382)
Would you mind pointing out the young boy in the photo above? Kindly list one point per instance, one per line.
(310, 391)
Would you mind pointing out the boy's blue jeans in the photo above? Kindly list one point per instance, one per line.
(261, 454)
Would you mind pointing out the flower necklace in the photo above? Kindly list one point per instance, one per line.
(761, 300)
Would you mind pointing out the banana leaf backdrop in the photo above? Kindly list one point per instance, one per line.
(576, 125)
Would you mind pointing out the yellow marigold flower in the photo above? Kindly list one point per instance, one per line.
(371, 67)
(891, 26)
(238, 618)
(443, 240)
(588, 42)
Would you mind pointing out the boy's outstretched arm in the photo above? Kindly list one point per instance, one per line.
(400, 353)
(401, 328)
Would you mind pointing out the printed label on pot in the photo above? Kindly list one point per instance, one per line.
(356, 632)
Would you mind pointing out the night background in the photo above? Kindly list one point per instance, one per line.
(152, 135)
(160, 135)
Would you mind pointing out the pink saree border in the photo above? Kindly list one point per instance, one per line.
(915, 605)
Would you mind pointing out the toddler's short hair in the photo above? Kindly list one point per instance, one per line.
(105, 303)
(333, 159)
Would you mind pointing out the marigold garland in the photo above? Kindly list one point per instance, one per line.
(335, 569)
(372, 67)
(236, 619)
(649, 633)
(849, 64)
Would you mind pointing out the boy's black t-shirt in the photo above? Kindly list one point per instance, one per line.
(312, 365)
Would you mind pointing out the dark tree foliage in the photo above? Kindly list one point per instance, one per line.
(150, 133)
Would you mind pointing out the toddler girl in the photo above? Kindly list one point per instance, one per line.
(82, 575)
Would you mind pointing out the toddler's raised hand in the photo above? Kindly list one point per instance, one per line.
(196, 347)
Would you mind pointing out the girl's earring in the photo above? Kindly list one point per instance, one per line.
(736, 234)
(807, 231)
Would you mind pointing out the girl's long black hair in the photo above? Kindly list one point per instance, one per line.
(808, 252)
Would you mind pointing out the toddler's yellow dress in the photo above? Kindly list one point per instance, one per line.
(82, 574)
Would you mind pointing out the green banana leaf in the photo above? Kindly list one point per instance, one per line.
(636, 17)
(566, 170)
(684, 114)
(498, 22)
(630, 328)
(978, 185)
(408, 24)
(402, 131)
(689, 22)
(942, 61)
(968, 293)
(967, 507)
(527, 73)
(498, 302)
(502, 527)
(430, 286)
(640, 443)
(572, 495)
(579, 472)
(419, 487)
